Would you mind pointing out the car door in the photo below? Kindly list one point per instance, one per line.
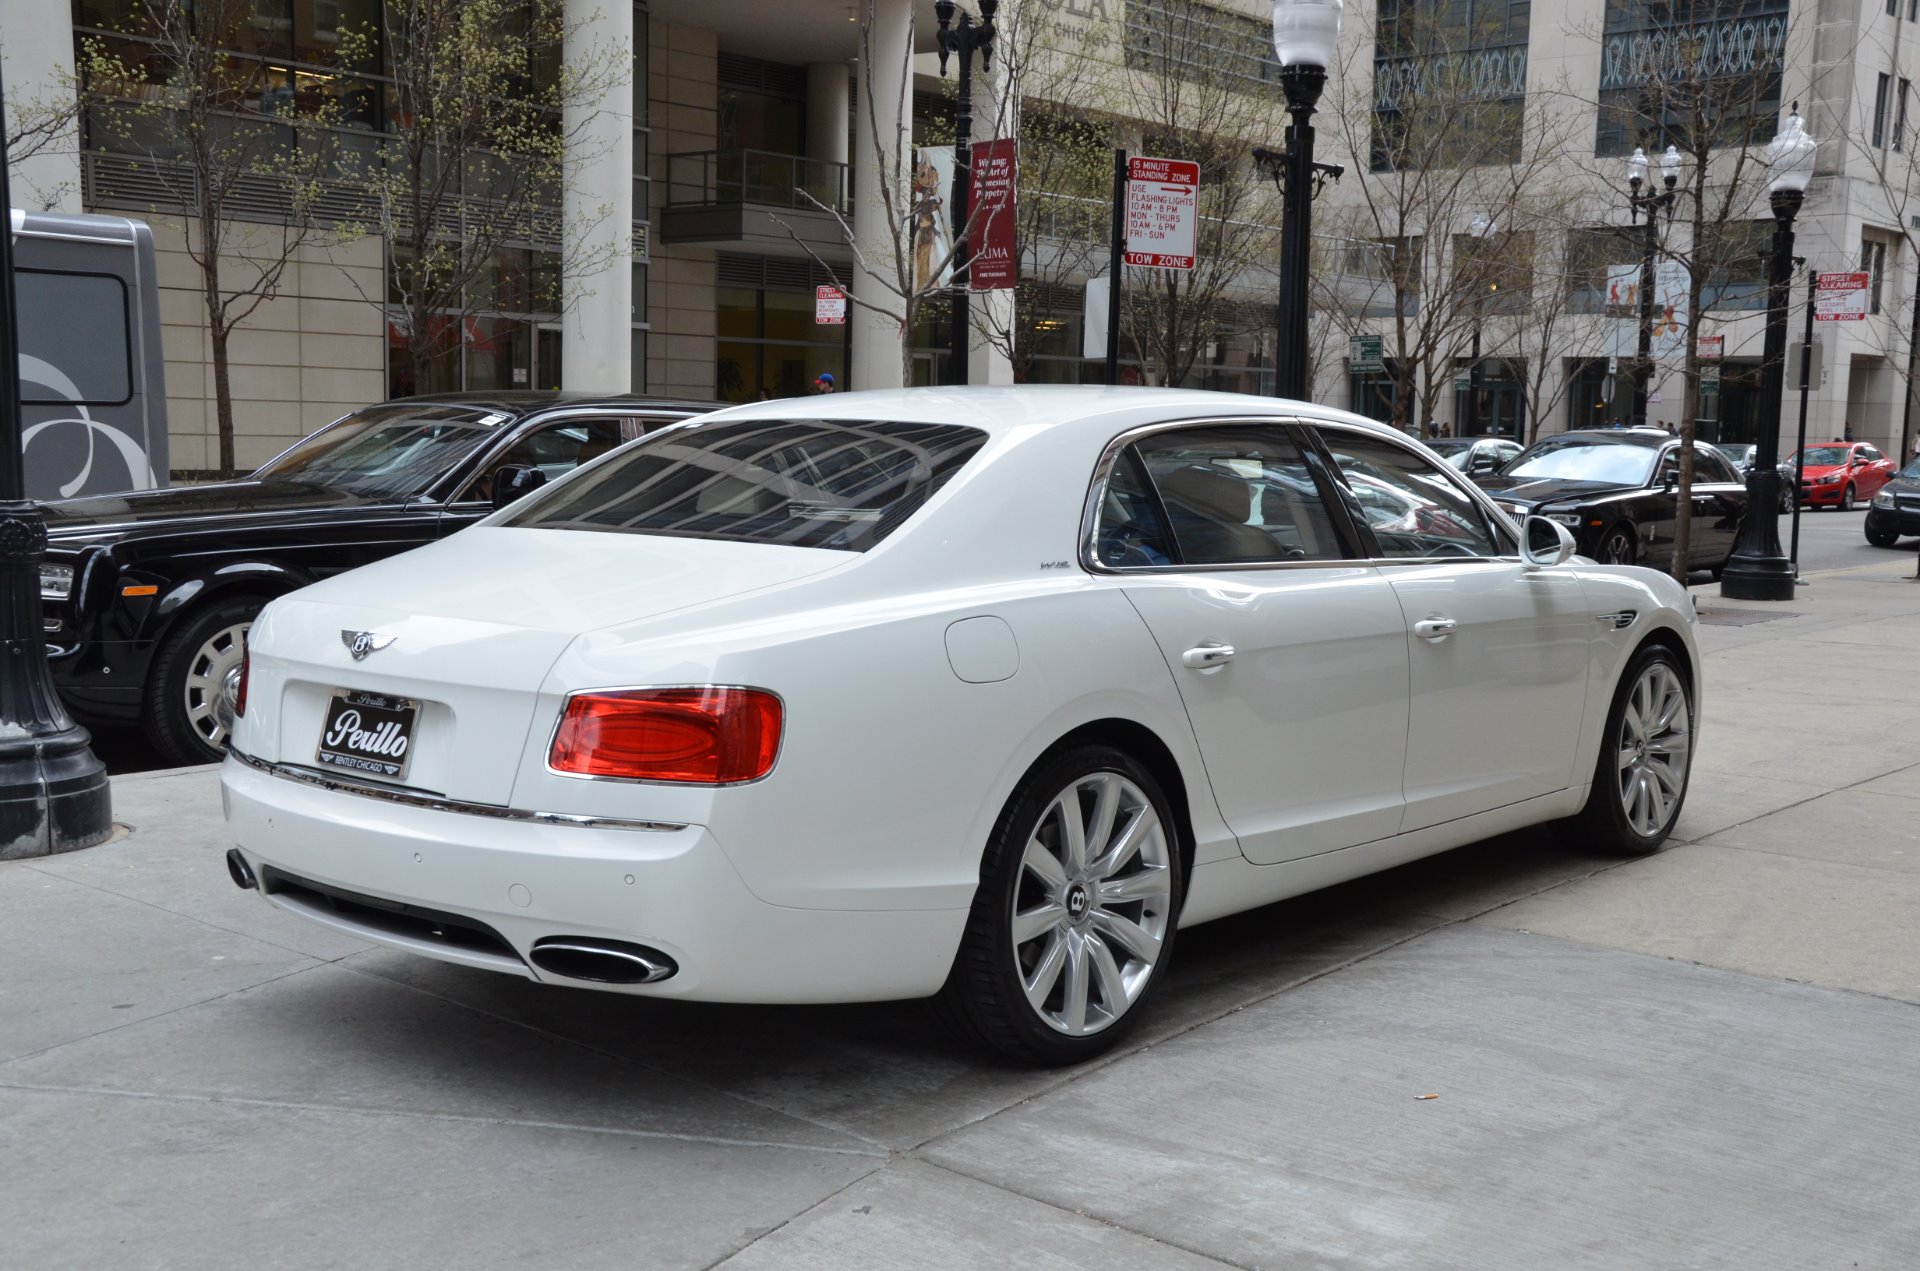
(1875, 471)
(1719, 498)
(1498, 649)
(1290, 655)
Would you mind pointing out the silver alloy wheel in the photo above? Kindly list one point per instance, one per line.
(1846, 498)
(1655, 739)
(1092, 905)
(213, 684)
(1617, 549)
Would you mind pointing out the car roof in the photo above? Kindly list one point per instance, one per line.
(1617, 436)
(999, 411)
(525, 401)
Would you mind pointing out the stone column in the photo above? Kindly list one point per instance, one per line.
(827, 111)
(38, 52)
(597, 274)
(881, 160)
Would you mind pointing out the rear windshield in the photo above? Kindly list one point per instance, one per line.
(842, 484)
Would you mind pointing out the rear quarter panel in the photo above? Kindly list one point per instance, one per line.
(892, 770)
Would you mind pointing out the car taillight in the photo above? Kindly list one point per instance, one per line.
(709, 736)
(240, 689)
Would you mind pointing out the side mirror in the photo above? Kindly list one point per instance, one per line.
(1544, 543)
(513, 482)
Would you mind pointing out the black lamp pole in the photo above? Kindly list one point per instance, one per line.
(1652, 202)
(53, 791)
(1759, 569)
(963, 39)
(1300, 179)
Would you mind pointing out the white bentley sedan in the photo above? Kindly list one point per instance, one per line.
(976, 694)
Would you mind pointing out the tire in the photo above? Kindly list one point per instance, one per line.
(1092, 960)
(1846, 498)
(1632, 806)
(1786, 499)
(1882, 538)
(1618, 546)
(188, 710)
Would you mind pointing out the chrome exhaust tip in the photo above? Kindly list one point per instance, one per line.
(601, 961)
(239, 871)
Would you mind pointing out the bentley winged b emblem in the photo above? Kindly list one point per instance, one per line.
(361, 643)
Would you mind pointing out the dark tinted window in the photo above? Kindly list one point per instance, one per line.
(73, 338)
(1414, 508)
(1238, 494)
(1710, 465)
(1130, 532)
(843, 484)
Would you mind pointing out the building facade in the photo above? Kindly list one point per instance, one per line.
(742, 165)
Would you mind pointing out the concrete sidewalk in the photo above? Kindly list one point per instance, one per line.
(1705, 1058)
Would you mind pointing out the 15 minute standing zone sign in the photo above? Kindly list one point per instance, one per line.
(1163, 198)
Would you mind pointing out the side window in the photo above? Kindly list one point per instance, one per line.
(1130, 533)
(1414, 509)
(1238, 494)
(1871, 455)
(1710, 465)
(556, 449)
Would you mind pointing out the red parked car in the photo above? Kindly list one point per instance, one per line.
(1842, 473)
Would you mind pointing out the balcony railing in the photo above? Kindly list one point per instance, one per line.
(721, 178)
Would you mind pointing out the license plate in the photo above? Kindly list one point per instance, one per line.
(368, 734)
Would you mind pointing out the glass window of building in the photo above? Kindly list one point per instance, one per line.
(1651, 86)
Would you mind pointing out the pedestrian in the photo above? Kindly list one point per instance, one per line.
(763, 396)
(823, 383)
(1849, 436)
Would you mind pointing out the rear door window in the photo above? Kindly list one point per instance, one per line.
(1231, 494)
(840, 484)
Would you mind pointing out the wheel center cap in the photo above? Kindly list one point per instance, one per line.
(1078, 901)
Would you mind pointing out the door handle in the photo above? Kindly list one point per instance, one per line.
(1434, 628)
(1207, 655)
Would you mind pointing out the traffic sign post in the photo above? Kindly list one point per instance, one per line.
(1364, 355)
(829, 307)
(1163, 212)
(1840, 297)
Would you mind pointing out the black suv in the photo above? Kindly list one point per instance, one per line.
(148, 596)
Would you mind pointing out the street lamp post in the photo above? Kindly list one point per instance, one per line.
(1480, 227)
(1305, 34)
(964, 39)
(53, 791)
(1652, 203)
(1758, 569)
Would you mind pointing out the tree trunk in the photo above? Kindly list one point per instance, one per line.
(217, 333)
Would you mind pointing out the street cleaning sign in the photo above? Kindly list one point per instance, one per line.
(1163, 212)
(1841, 297)
(829, 307)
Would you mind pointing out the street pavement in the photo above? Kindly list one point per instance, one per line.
(1705, 1058)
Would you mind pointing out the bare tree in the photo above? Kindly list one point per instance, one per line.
(1185, 92)
(478, 158)
(1440, 236)
(905, 269)
(243, 156)
(1707, 81)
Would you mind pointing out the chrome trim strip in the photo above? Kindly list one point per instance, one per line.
(436, 803)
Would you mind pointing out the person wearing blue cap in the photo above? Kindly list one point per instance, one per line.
(823, 383)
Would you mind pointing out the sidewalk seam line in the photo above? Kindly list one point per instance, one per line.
(294, 1105)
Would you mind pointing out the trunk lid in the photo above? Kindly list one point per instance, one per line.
(475, 623)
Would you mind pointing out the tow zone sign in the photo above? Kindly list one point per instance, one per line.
(1163, 197)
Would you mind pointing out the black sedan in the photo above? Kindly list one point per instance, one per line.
(148, 596)
(1895, 509)
(1617, 490)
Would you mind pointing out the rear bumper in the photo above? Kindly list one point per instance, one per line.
(670, 889)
